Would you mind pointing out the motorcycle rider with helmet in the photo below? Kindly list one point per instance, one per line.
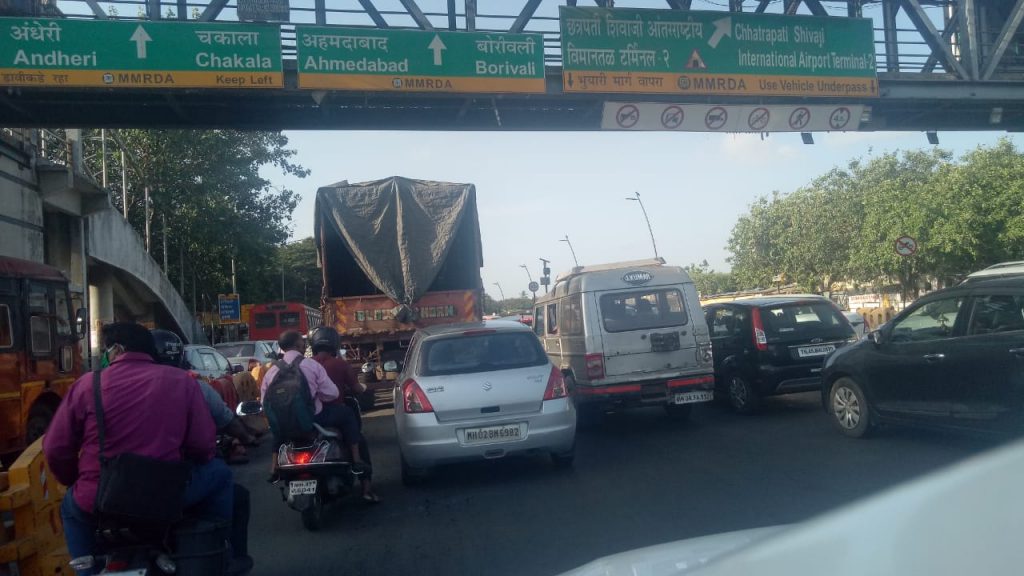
(325, 342)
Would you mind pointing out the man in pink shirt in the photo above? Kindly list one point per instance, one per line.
(150, 410)
(328, 412)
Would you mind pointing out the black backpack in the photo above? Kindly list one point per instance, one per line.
(288, 403)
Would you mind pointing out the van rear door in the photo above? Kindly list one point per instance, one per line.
(646, 330)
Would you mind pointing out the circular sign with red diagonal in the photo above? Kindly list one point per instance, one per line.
(716, 118)
(672, 117)
(906, 246)
(758, 119)
(799, 118)
(839, 118)
(627, 116)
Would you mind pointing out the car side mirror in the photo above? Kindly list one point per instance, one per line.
(876, 337)
(236, 369)
(81, 315)
(391, 366)
(249, 408)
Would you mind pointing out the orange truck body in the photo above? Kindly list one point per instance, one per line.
(365, 319)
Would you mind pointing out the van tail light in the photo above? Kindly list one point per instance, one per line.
(556, 385)
(416, 402)
(760, 340)
(595, 366)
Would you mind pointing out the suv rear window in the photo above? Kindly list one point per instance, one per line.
(804, 319)
(643, 310)
(236, 350)
(481, 353)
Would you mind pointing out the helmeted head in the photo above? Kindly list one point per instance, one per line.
(325, 339)
(169, 347)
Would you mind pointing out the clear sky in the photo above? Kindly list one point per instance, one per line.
(534, 188)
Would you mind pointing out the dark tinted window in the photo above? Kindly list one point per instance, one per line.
(266, 320)
(997, 313)
(289, 319)
(482, 352)
(538, 320)
(931, 321)
(642, 310)
(6, 329)
(804, 319)
(726, 321)
(572, 315)
(236, 350)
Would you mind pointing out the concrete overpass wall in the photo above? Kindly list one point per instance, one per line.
(113, 241)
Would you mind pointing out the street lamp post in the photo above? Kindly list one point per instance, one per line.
(566, 240)
(646, 219)
(500, 291)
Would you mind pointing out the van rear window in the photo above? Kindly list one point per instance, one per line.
(643, 310)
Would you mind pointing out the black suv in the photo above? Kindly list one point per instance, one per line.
(772, 345)
(955, 358)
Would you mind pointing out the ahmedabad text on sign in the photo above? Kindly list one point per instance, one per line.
(716, 53)
(333, 58)
(138, 54)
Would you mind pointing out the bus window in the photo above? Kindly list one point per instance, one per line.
(289, 319)
(266, 320)
(6, 329)
(39, 324)
(63, 314)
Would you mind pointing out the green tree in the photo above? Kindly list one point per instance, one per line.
(303, 280)
(208, 185)
(708, 281)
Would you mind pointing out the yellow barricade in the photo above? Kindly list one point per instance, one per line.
(877, 316)
(32, 496)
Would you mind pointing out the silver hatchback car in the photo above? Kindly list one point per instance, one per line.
(480, 391)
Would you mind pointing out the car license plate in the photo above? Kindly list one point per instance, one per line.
(695, 396)
(300, 487)
(812, 351)
(489, 434)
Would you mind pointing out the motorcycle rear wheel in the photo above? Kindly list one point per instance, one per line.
(312, 517)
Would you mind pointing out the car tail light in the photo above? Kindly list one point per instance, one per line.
(556, 385)
(416, 402)
(595, 366)
(760, 340)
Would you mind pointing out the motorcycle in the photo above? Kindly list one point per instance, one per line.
(315, 473)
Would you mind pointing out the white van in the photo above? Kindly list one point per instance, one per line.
(628, 334)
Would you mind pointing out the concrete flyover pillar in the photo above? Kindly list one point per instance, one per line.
(101, 308)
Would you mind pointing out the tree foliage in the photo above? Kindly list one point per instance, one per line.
(708, 281)
(965, 214)
(209, 187)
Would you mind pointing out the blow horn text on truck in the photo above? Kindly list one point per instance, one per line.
(396, 254)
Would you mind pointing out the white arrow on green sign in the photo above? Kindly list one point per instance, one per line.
(39, 52)
(331, 58)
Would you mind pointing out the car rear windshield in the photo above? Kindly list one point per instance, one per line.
(804, 320)
(236, 350)
(643, 310)
(481, 352)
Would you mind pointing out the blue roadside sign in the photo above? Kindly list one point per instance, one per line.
(230, 309)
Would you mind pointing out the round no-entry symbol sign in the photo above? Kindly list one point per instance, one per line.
(715, 118)
(906, 246)
(839, 118)
(758, 119)
(672, 117)
(627, 116)
(533, 286)
(799, 118)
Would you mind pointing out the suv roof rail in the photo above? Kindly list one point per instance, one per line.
(576, 271)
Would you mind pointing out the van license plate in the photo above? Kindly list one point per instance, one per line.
(301, 487)
(691, 397)
(489, 434)
(812, 351)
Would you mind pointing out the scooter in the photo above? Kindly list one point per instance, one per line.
(313, 474)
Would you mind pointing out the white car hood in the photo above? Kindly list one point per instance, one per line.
(967, 519)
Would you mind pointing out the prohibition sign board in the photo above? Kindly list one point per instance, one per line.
(906, 246)
(799, 118)
(627, 116)
(716, 118)
(758, 118)
(672, 117)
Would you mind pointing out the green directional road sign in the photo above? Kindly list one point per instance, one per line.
(331, 58)
(711, 53)
(118, 54)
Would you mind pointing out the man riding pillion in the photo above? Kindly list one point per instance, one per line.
(325, 342)
(149, 410)
(326, 411)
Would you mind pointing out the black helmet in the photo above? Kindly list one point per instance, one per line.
(169, 347)
(325, 338)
